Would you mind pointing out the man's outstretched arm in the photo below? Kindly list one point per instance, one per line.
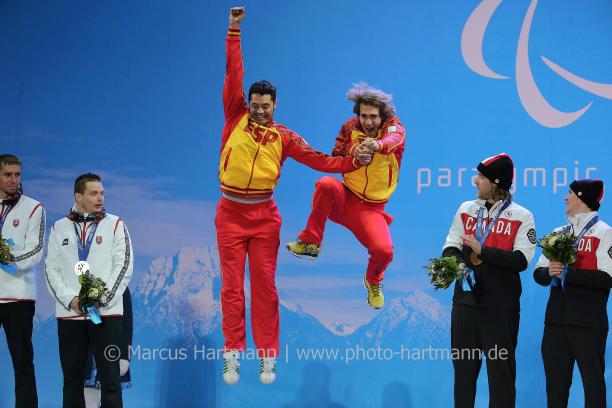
(297, 148)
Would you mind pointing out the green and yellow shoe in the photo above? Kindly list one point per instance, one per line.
(376, 299)
(304, 249)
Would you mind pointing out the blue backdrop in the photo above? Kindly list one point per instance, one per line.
(132, 90)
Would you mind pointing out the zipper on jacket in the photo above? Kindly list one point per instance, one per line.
(366, 182)
(227, 156)
(252, 169)
(83, 239)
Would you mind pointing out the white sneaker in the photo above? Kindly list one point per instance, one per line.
(231, 366)
(267, 370)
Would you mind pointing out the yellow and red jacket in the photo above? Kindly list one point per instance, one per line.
(375, 182)
(251, 154)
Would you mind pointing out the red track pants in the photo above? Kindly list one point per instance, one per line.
(368, 222)
(251, 229)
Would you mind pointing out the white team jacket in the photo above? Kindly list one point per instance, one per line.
(25, 224)
(514, 230)
(594, 250)
(110, 258)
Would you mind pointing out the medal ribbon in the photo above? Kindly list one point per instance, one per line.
(480, 237)
(6, 209)
(84, 250)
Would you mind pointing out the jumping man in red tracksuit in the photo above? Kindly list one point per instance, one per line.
(358, 202)
(253, 150)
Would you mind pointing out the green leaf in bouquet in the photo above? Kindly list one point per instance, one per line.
(550, 254)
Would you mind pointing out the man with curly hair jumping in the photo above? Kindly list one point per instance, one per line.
(358, 202)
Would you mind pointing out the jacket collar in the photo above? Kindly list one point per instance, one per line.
(494, 208)
(12, 200)
(578, 221)
(75, 216)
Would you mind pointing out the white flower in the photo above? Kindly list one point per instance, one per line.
(94, 292)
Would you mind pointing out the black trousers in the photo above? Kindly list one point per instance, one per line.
(490, 331)
(16, 318)
(564, 345)
(91, 378)
(75, 339)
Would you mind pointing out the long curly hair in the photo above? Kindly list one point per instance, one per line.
(500, 194)
(363, 93)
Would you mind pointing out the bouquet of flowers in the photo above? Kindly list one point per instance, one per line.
(443, 271)
(5, 250)
(5, 255)
(90, 295)
(559, 246)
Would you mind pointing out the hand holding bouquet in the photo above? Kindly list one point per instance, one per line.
(559, 246)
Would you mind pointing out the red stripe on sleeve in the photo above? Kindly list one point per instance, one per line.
(116, 225)
(34, 210)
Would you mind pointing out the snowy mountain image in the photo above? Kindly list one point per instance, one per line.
(415, 319)
(180, 295)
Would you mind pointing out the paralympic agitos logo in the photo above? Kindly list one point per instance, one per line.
(530, 95)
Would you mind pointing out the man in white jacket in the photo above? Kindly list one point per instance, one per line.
(89, 234)
(22, 222)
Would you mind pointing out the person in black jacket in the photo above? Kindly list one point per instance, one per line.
(576, 322)
(495, 238)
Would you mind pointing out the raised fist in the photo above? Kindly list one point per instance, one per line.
(236, 16)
